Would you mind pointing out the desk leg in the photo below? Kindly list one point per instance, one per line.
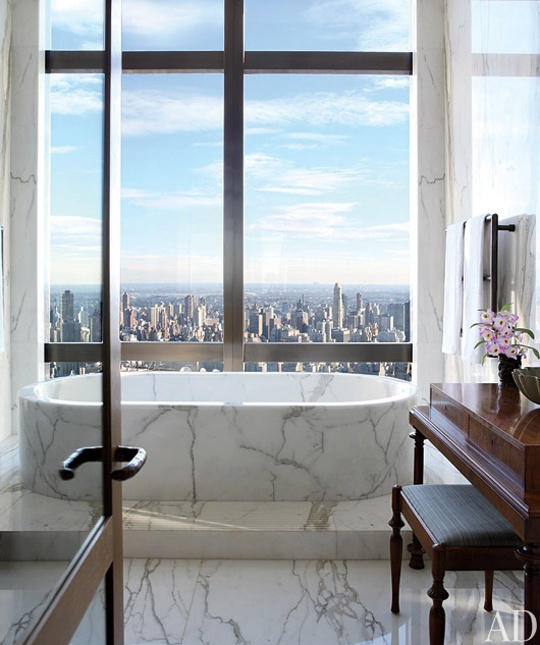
(530, 556)
(418, 437)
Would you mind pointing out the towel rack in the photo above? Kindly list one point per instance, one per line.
(494, 255)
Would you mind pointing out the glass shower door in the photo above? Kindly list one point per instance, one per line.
(61, 532)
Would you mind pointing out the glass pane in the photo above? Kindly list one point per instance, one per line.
(165, 312)
(394, 370)
(45, 519)
(172, 212)
(75, 223)
(506, 140)
(505, 27)
(172, 25)
(171, 366)
(327, 209)
(92, 629)
(331, 25)
(25, 588)
(77, 24)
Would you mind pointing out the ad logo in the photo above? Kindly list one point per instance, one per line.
(499, 630)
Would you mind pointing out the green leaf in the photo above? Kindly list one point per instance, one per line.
(523, 330)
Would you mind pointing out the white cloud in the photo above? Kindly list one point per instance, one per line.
(146, 19)
(348, 269)
(144, 267)
(308, 220)
(156, 112)
(63, 150)
(75, 250)
(374, 24)
(170, 201)
(76, 95)
(390, 83)
(72, 228)
(151, 19)
(83, 18)
(278, 176)
(326, 108)
(313, 140)
(326, 220)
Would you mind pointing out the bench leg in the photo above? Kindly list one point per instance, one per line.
(438, 595)
(396, 546)
(417, 553)
(488, 597)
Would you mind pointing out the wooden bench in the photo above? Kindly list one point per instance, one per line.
(459, 530)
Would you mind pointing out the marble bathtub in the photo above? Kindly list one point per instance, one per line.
(227, 436)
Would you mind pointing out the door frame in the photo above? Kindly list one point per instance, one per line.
(100, 559)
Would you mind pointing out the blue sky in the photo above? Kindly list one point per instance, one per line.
(326, 166)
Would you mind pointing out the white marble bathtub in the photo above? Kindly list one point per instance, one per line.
(227, 436)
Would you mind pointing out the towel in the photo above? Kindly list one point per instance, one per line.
(473, 287)
(517, 267)
(453, 289)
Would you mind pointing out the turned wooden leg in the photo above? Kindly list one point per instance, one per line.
(417, 552)
(396, 546)
(418, 438)
(530, 556)
(488, 594)
(438, 595)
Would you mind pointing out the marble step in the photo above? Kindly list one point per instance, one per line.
(258, 530)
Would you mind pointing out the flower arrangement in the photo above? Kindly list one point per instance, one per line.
(501, 336)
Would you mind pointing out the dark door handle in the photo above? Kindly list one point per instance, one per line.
(135, 456)
(80, 456)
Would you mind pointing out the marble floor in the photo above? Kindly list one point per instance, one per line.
(308, 602)
(191, 576)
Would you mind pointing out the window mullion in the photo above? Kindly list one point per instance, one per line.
(233, 187)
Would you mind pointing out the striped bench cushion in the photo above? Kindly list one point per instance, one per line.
(458, 515)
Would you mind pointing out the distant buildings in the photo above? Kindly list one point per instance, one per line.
(269, 317)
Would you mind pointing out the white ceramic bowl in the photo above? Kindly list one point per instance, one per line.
(528, 381)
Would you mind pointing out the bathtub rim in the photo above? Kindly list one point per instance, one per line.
(33, 391)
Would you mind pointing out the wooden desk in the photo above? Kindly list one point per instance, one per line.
(492, 436)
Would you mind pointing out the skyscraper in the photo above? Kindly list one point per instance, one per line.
(337, 308)
(71, 329)
(67, 307)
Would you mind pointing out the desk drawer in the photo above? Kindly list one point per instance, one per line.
(450, 410)
(496, 446)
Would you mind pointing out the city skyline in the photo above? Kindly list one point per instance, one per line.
(311, 314)
(332, 305)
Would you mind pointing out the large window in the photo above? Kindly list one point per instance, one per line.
(265, 199)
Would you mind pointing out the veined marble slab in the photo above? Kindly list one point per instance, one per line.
(301, 602)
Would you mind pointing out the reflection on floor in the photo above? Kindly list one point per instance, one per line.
(307, 602)
(191, 576)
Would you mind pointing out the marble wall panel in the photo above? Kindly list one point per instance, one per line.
(26, 231)
(5, 96)
(428, 207)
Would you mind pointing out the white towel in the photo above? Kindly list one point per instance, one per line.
(473, 287)
(517, 267)
(453, 289)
